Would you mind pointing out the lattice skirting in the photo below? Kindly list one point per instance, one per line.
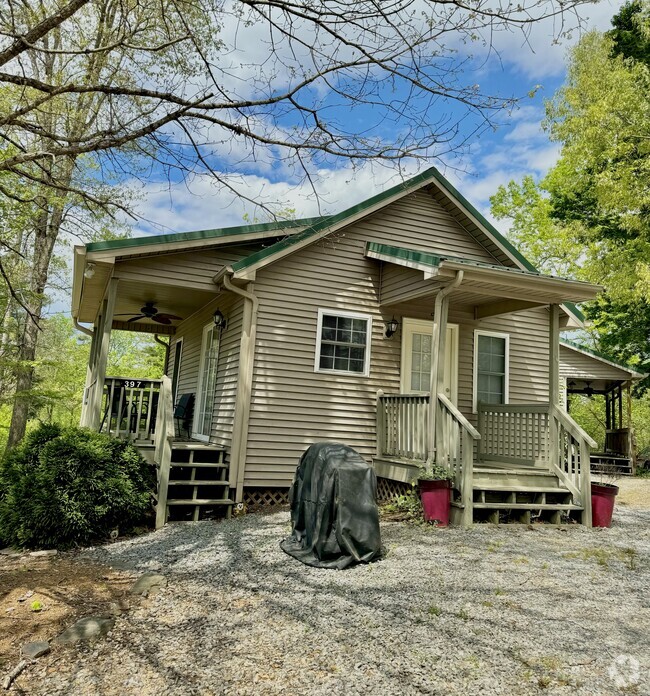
(265, 497)
(255, 498)
(388, 490)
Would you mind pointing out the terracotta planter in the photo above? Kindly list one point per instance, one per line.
(436, 501)
(602, 504)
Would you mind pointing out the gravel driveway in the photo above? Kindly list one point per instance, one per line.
(506, 610)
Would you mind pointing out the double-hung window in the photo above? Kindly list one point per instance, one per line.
(343, 342)
(491, 358)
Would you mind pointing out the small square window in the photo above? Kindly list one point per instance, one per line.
(343, 343)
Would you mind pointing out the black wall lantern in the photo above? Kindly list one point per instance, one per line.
(391, 327)
(219, 320)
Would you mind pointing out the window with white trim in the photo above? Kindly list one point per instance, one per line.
(343, 342)
(491, 366)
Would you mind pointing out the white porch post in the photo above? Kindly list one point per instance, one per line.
(89, 377)
(441, 309)
(554, 355)
(103, 342)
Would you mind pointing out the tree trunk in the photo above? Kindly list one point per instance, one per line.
(47, 226)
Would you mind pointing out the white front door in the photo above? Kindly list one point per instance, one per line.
(416, 358)
(207, 381)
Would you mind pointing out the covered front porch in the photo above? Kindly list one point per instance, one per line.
(169, 422)
(490, 409)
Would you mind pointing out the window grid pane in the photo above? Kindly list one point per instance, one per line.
(491, 369)
(420, 362)
(343, 344)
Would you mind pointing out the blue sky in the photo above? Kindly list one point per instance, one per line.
(517, 148)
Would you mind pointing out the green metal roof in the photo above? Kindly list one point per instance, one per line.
(201, 234)
(434, 260)
(601, 356)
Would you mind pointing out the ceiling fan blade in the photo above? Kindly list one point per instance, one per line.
(140, 316)
(161, 320)
(173, 317)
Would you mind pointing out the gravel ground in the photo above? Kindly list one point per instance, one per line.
(495, 610)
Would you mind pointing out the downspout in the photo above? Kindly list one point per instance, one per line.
(83, 329)
(244, 385)
(438, 341)
(167, 346)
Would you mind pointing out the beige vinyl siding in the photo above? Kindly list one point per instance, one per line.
(190, 270)
(228, 365)
(581, 366)
(399, 283)
(292, 406)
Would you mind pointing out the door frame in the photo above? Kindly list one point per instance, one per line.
(200, 386)
(410, 325)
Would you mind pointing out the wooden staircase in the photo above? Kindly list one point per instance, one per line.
(198, 483)
(522, 494)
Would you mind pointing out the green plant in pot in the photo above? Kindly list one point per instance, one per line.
(434, 484)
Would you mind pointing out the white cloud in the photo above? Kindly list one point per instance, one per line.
(204, 204)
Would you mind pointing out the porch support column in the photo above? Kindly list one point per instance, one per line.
(554, 355)
(89, 377)
(103, 343)
(438, 340)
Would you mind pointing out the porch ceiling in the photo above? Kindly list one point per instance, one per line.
(132, 295)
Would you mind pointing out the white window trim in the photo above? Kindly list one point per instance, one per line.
(496, 334)
(351, 315)
(200, 386)
(178, 347)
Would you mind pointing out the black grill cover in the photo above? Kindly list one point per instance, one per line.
(334, 516)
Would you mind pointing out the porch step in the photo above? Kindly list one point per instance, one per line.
(525, 506)
(200, 465)
(199, 482)
(180, 445)
(519, 489)
(201, 501)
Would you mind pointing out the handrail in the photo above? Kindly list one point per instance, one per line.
(164, 437)
(459, 416)
(573, 427)
(513, 408)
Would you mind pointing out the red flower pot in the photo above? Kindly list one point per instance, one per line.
(436, 501)
(602, 504)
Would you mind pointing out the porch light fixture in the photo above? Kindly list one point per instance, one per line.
(219, 320)
(90, 271)
(391, 327)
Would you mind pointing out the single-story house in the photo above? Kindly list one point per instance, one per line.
(406, 327)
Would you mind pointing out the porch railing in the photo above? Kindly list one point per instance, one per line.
(402, 426)
(130, 407)
(455, 439)
(513, 433)
(163, 438)
(569, 457)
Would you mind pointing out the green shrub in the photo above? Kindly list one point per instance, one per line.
(66, 486)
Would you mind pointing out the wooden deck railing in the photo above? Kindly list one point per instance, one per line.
(513, 433)
(163, 438)
(569, 457)
(129, 407)
(402, 426)
(455, 439)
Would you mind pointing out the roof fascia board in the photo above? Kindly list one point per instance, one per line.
(592, 354)
(586, 290)
(429, 269)
(78, 264)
